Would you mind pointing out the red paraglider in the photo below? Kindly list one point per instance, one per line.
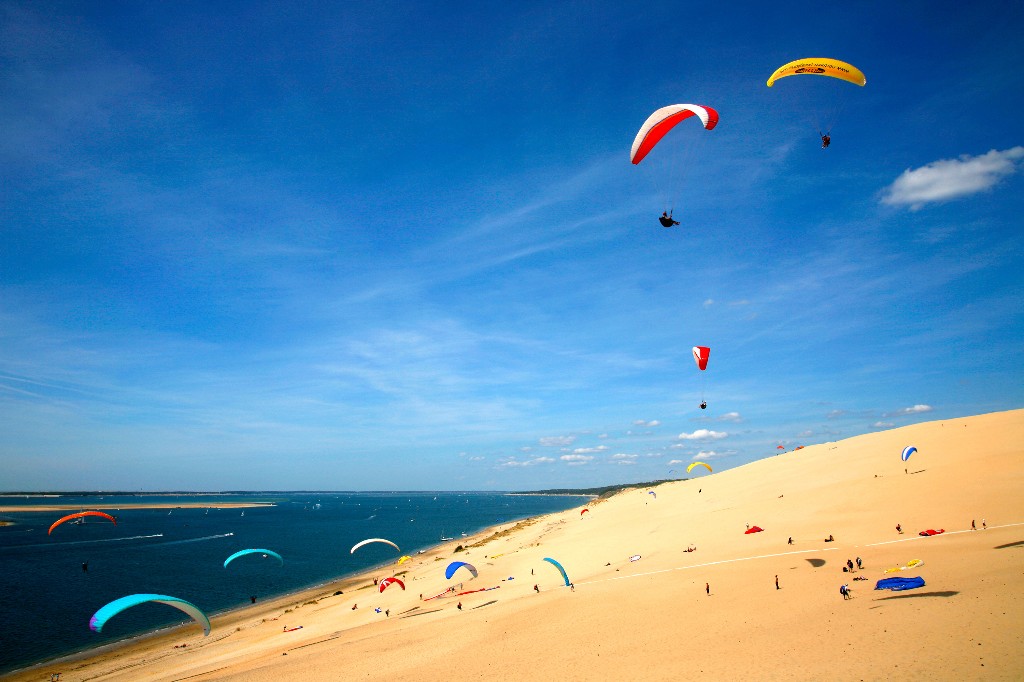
(391, 581)
(665, 119)
(700, 356)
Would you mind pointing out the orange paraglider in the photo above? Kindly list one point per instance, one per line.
(80, 515)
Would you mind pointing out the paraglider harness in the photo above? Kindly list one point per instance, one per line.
(666, 220)
(826, 140)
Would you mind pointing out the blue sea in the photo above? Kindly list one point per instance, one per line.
(46, 598)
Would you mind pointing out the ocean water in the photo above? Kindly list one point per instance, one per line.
(46, 599)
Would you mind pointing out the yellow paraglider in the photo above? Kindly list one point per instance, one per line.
(701, 464)
(819, 66)
(403, 559)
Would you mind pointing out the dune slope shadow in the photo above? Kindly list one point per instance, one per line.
(941, 593)
(1010, 544)
(817, 563)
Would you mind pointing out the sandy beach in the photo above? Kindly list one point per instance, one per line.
(712, 613)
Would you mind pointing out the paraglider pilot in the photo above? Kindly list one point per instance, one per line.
(666, 219)
(825, 141)
(703, 405)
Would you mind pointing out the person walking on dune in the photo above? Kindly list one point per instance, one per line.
(777, 582)
(899, 529)
(707, 588)
(973, 527)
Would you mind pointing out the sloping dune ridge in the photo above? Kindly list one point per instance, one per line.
(713, 613)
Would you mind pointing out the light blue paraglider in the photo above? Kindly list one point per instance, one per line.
(651, 492)
(100, 618)
(907, 452)
(456, 565)
(560, 569)
(265, 552)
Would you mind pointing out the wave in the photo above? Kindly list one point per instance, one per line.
(208, 537)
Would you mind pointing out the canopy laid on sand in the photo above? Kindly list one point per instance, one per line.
(899, 584)
(931, 531)
(78, 515)
(100, 618)
(753, 529)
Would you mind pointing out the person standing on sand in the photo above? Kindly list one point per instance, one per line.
(777, 581)
(899, 529)
(790, 540)
(973, 527)
(707, 588)
(984, 526)
(459, 606)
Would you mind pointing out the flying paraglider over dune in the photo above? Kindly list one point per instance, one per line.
(561, 570)
(700, 356)
(456, 565)
(371, 540)
(829, 104)
(699, 464)
(907, 452)
(79, 515)
(265, 552)
(387, 582)
(105, 613)
(655, 128)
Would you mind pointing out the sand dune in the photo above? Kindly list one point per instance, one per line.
(652, 619)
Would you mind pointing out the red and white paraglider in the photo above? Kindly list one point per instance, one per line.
(700, 356)
(656, 127)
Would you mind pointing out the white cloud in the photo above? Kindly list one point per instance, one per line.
(557, 441)
(674, 461)
(514, 463)
(603, 435)
(703, 434)
(883, 425)
(835, 414)
(951, 178)
(585, 451)
(730, 417)
(576, 459)
(621, 456)
(706, 454)
(543, 460)
(709, 302)
(477, 459)
(916, 409)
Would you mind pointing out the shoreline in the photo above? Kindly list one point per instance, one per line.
(236, 618)
(132, 505)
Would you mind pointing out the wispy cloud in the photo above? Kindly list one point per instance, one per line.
(557, 441)
(587, 451)
(730, 417)
(576, 459)
(951, 178)
(641, 422)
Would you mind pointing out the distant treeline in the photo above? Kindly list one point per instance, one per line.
(602, 491)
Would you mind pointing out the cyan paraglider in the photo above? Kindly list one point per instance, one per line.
(100, 618)
(560, 569)
(264, 552)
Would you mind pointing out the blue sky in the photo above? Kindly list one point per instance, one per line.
(398, 245)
